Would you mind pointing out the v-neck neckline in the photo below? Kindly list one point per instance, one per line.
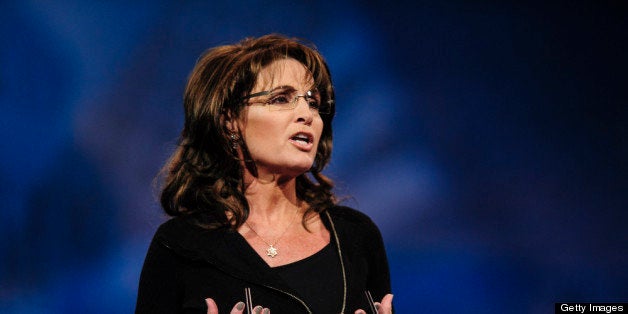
(251, 250)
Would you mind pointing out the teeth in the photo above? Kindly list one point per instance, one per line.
(302, 138)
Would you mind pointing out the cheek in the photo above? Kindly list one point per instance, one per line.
(260, 133)
(318, 127)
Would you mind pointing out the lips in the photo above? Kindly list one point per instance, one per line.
(302, 140)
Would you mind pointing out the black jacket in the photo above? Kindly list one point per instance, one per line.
(186, 264)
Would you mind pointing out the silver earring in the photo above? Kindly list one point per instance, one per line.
(234, 140)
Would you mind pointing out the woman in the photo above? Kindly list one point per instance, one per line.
(255, 220)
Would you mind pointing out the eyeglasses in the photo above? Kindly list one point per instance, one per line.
(286, 98)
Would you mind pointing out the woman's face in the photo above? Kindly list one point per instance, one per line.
(282, 142)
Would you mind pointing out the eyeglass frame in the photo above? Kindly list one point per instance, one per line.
(293, 103)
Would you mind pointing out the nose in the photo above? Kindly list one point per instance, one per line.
(302, 110)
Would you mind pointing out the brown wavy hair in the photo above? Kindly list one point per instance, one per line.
(204, 177)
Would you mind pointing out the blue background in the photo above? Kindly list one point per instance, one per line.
(488, 140)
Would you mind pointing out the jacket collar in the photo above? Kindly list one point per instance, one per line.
(225, 249)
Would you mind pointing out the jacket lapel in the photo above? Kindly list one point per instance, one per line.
(223, 248)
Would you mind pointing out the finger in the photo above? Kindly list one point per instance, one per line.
(238, 308)
(385, 306)
(360, 312)
(387, 299)
(258, 309)
(379, 309)
(212, 308)
(266, 311)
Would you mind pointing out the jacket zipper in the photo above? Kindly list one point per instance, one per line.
(344, 299)
(342, 264)
(333, 229)
(292, 296)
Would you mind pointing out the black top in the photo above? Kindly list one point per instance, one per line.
(186, 264)
(317, 278)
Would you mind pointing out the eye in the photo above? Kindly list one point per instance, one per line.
(280, 99)
(313, 99)
(314, 104)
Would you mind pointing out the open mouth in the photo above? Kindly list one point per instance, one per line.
(303, 138)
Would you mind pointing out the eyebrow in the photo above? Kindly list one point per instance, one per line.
(282, 87)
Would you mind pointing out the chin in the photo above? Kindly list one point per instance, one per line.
(289, 168)
(300, 168)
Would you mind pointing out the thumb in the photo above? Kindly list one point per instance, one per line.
(387, 299)
(212, 308)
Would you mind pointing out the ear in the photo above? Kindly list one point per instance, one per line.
(232, 126)
(230, 122)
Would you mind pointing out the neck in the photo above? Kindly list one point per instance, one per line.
(271, 201)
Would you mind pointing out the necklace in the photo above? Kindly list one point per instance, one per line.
(272, 250)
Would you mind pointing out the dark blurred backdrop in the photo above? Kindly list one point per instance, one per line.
(487, 139)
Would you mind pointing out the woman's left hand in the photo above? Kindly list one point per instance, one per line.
(384, 307)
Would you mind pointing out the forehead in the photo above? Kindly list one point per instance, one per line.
(284, 72)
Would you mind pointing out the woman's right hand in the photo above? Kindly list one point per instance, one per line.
(212, 308)
(384, 307)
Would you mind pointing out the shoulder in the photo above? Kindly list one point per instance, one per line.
(176, 227)
(348, 214)
(183, 227)
(352, 220)
(185, 236)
